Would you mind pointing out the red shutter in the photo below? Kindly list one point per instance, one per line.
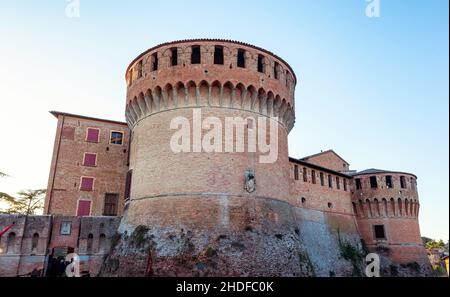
(87, 183)
(89, 159)
(84, 208)
(93, 135)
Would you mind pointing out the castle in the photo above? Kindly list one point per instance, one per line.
(120, 197)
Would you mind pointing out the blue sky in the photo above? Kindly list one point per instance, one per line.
(373, 89)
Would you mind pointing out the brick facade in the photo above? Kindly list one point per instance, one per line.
(191, 213)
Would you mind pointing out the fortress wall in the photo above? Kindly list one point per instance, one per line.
(322, 238)
(20, 255)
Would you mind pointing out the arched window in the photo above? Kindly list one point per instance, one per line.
(102, 243)
(90, 242)
(34, 242)
(10, 243)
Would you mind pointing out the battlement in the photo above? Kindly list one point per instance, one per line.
(210, 73)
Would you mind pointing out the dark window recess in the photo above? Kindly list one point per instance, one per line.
(358, 184)
(174, 56)
(389, 181)
(111, 202)
(218, 55)
(195, 55)
(322, 182)
(155, 62)
(330, 181)
(338, 184)
(379, 232)
(139, 69)
(313, 176)
(260, 63)
(275, 70)
(402, 182)
(345, 184)
(128, 183)
(305, 174)
(90, 242)
(241, 58)
(373, 182)
(295, 172)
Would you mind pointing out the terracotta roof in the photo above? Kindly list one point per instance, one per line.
(58, 113)
(378, 171)
(211, 40)
(324, 152)
(304, 163)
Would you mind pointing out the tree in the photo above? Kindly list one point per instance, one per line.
(433, 244)
(28, 202)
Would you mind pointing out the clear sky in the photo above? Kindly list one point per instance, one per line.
(374, 89)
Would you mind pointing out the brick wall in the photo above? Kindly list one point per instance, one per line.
(67, 168)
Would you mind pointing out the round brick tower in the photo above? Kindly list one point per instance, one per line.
(203, 212)
(386, 205)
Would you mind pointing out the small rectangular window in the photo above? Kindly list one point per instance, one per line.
(338, 184)
(92, 135)
(345, 184)
(87, 183)
(241, 58)
(358, 183)
(330, 181)
(116, 137)
(305, 174)
(389, 181)
(379, 232)
(154, 61)
(261, 63)
(90, 159)
(130, 77)
(174, 56)
(84, 208)
(218, 55)
(402, 182)
(313, 176)
(110, 206)
(373, 182)
(139, 69)
(322, 181)
(295, 172)
(195, 55)
(275, 70)
(128, 184)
